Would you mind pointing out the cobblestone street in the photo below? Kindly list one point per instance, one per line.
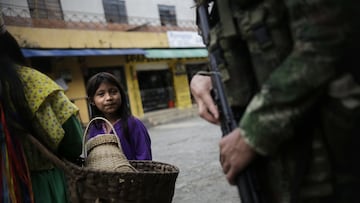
(192, 146)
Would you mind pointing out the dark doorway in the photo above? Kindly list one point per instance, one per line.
(117, 71)
(156, 89)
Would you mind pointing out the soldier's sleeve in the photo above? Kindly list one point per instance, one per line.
(297, 84)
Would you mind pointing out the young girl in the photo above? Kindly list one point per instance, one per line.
(108, 100)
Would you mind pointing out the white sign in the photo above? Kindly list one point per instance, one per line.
(184, 39)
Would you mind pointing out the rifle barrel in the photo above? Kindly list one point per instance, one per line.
(245, 180)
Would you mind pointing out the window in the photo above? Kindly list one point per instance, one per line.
(156, 89)
(115, 11)
(45, 9)
(167, 15)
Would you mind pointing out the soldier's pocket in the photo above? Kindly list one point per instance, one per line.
(266, 30)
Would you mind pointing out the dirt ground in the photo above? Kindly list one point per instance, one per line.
(192, 146)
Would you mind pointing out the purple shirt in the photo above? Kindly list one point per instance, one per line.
(137, 147)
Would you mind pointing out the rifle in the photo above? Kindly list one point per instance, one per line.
(247, 187)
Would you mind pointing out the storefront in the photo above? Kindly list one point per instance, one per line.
(152, 79)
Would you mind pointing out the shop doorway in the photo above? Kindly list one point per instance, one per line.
(156, 89)
(118, 72)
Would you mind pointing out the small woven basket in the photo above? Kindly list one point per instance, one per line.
(104, 151)
(152, 182)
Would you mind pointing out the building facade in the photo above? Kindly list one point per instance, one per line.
(152, 46)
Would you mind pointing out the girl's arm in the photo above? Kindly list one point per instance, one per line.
(141, 140)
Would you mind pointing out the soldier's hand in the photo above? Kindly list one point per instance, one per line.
(200, 87)
(235, 154)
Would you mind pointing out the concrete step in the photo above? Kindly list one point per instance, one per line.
(164, 116)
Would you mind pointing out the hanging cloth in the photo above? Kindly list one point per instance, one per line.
(15, 182)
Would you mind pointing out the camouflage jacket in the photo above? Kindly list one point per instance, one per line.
(301, 104)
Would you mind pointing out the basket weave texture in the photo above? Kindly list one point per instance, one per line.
(104, 152)
(154, 182)
(142, 182)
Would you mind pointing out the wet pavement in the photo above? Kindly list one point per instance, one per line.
(192, 145)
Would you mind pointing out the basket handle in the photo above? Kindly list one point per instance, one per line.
(84, 152)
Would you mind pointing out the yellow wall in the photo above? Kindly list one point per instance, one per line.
(181, 88)
(134, 91)
(182, 92)
(67, 38)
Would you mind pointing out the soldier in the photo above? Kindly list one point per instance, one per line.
(286, 68)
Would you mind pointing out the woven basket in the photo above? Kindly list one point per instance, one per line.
(104, 151)
(154, 182)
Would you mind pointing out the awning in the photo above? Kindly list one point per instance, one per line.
(80, 52)
(176, 53)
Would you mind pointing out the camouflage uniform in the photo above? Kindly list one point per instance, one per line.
(284, 61)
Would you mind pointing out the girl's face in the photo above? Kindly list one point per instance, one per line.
(107, 99)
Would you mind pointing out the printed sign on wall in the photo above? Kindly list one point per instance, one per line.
(184, 39)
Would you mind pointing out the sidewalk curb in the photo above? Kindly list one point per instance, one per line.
(164, 116)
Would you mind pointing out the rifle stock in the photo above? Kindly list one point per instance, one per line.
(248, 190)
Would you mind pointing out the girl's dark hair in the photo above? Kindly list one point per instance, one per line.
(93, 84)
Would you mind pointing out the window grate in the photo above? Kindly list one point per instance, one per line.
(167, 15)
(115, 11)
(45, 9)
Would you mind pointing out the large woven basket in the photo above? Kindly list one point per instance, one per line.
(154, 182)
